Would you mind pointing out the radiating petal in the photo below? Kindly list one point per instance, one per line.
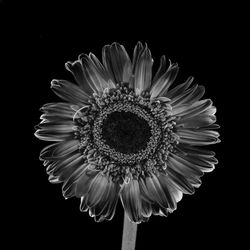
(54, 132)
(108, 211)
(93, 79)
(84, 182)
(99, 68)
(62, 169)
(54, 179)
(56, 150)
(203, 119)
(96, 75)
(190, 150)
(189, 97)
(197, 121)
(69, 186)
(162, 85)
(69, 92)
(102, 203)
(116, 61)
(47, 152)
(179, 89)
(190, 137)
(79, 73)
(62, 128)
(143, 71)
(45, 136)
(180, 181)
(155, 191)
(68, 166)
(196, 108)
(137, 53)
(127, 72)
(172, 193)
(146, 209)
(57, 112)
(158, 190)
(53, 122)
(161, 70)
(130, 197)
(158, 210)
(83, 206)
(58, 167)
(57, 118)
(97, 189)
(183, 166)
(202, 158)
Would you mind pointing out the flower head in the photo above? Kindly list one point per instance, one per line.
(123, 133)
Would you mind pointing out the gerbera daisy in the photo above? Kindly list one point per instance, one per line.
(123, 133)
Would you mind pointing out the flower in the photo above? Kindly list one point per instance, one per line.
(124, 134)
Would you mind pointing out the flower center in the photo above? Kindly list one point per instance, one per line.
(124, 151)
(126, 132)
(125, 135)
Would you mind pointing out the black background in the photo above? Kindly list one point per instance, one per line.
(199, 39)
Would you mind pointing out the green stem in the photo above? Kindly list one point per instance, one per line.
(129, 234)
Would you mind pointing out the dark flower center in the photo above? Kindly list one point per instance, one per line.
(126, 132)
(124, 135)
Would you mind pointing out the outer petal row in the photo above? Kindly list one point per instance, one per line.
(98, 194)
(117, 62)
(157, 195)
(93, 77)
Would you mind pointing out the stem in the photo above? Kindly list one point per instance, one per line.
(129, 234)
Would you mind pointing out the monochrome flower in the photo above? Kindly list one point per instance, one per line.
(125, 134)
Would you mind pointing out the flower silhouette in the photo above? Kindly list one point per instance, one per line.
(124, 133)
